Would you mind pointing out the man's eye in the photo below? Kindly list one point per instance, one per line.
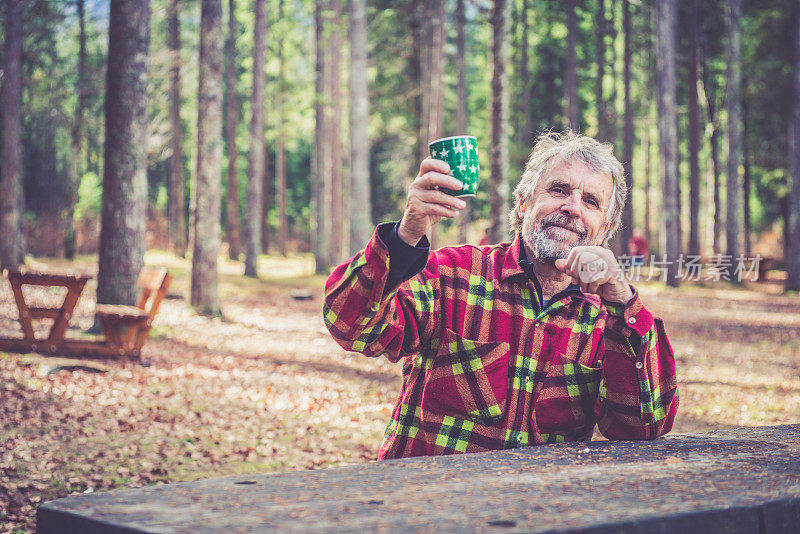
(592, 202)
(559, 190)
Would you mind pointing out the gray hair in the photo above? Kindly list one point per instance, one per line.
(599, 157)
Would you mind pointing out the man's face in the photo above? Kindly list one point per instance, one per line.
(567, 209)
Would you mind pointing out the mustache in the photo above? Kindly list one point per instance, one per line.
(563, 221)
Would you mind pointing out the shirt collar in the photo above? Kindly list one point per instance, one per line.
(525, 267)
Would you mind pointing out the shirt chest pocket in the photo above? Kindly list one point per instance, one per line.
(565, 404)
(468, 379)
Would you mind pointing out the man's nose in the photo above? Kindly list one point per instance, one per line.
(572, 205)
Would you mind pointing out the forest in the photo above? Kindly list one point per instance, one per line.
(250, 146)
(283, 126)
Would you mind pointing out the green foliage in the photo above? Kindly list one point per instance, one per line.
(90, 195)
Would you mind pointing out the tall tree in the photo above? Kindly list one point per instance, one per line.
(322, 230)
(280, 150)
(668, 131)
(602, 129)
(694, 131)
(360, 206)
(334, 136)
(733, 98)
(124, 204)
(527, 134)
(205, 249)
(746, 179)
(793, 253)
(498, 151)
(627, 214)
(255, 158)
(11, 254)
(232, 222)
(463, 103)
(710, 92)
(177, 204)
(571, 69)
(77, 135)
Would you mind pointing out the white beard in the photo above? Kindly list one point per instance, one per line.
(548, 242)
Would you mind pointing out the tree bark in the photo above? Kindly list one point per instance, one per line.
(338, 213)
(668, 131)
(733, 97)
(77, 136)
(602, 130)
(255, 158)
(11, 253)
(204, 294)
(528, 134)
(232, 221)
(462, 109)
(124, 205)
(322, 233)
(498, 151)
(280, 151)
(360, 206)
(627, 214)
(177, 205)
(746, 180)
(571, 70)
(694, 132)
(710, 90)
(793, 251)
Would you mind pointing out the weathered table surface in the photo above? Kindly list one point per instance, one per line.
(739, 480)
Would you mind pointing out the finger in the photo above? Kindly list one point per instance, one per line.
(439, 197)
(432, 179)
(436, 165)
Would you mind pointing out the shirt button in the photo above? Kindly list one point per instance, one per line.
(639, 365)
(375, 307)
(632, 320)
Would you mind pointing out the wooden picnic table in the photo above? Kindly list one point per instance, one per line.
(743, 480)
(55, 342)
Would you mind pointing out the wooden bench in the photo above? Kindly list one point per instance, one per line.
(126, 327)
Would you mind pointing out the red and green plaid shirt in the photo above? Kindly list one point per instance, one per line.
(485, 367)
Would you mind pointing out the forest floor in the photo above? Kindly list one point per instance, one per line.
(265, 388)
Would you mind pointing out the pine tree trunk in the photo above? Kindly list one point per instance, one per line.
(205, 249)
(709, 88)
(694, 133)
(361, 226)
(528, 134)
(463, 104)
(602, 129)
(571, 70)
(177, 205)
(77, 136)
(266, 200)
(746, 183)
(793, 251)
(733, 98)
(256, 157)
(627, 214)
(280, 155)
(498, 151)
(338, 213)
(11, 253)
(124, 206)
(322, 232)
(232, 221)
(668, 131)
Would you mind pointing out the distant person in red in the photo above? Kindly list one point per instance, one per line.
(638, 248)
(484, 238)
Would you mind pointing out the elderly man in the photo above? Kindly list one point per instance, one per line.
(533, 341)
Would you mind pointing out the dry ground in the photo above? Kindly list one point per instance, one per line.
(266, 388)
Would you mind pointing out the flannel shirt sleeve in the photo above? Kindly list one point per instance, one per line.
(365, 315)
(638, 396)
